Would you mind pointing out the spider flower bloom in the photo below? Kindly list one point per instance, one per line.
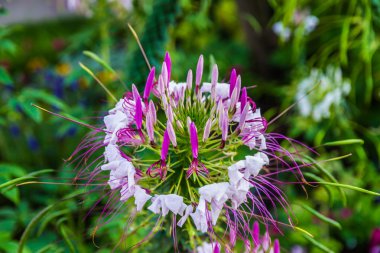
(175, 153)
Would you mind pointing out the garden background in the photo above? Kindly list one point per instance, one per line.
(322, 55)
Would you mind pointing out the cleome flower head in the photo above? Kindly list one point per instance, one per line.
(176, 150)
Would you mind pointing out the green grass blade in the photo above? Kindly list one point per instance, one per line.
(318, 244)
(321, 216)
(344, 142)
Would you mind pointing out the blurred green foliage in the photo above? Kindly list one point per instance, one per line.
(39, 65)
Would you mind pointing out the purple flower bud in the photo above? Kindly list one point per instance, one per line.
(165, 146)
(232, 81)
(164, 73)
(189, 79)
(220, 113)
(214, 80)
(238, 85)
(169, 113)
(276, 246)
(234, 98)
(243, 99)
(266, 241)
(171, 133)
(256, 233)
(138, 111)
(161, 85)
(243, 116)
(194, 140)
(149, 85)
(168, 64)
(152, 110)
(188, 123)
(232, 236)
(179, 124)
(206, 132)
(216, 248)
(198, 75)
(150, 126)
(225, 126)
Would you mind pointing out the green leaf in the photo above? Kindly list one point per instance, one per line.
(344, 142)
(321, 216)
(13, 195)
(65, 233)
(12, 169)
(31, 225)
(329, 176)
(40, 95)
(354, 188)
(318, 244)
(19, 180)
(31, 111)
(98, 60)
(5, 79)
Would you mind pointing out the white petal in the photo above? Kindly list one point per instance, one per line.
(188, 210)
(254, 164)
(141, 197)
(216, 192)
